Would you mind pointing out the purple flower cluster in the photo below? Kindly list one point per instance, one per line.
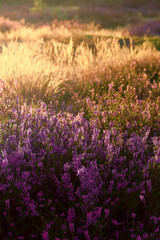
(63, 176)
(151, 28)
(6, 24)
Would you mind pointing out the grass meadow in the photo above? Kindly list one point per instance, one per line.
(79, 124)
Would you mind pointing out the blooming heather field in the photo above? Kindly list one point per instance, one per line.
(79, 132)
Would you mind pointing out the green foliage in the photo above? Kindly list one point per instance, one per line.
(61, 14)
(1, 7)
(52, 2)
(11, 2)
(39, 5)
(154, 40)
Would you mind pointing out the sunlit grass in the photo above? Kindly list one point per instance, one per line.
(39, 68)
(25, 69)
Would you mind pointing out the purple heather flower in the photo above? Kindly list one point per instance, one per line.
(71, 226)
(116, 234)
(49, 201)
(48, 226)
(138, 237)
(141, 226)
(64, 227)
(149, 185)
(86, 234)
(45, 235)
(89, 217)
(10, 234)
(122, 184)
(107, 201)
(111, 186)
(145, 235)
(143, 192)
(111, 86)
(142, 198)
(157, 229)
(97, 212)
(41, 205)
(33, 209)
(71, 214)
(4, 213)
(133, 235)
(26, 213)
(12, 224)
(106, 213)
(40, 194)
(155, 219)
(116, 223)
(8, 203)
(116, 200)
(133, 215)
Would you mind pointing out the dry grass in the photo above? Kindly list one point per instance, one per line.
(13, 31)
(24, 68)
(36, 68)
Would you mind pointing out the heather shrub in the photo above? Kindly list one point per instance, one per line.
(6, 24)
(151, 28)
(78, 178)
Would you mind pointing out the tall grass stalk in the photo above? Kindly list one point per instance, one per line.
(37, 69)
